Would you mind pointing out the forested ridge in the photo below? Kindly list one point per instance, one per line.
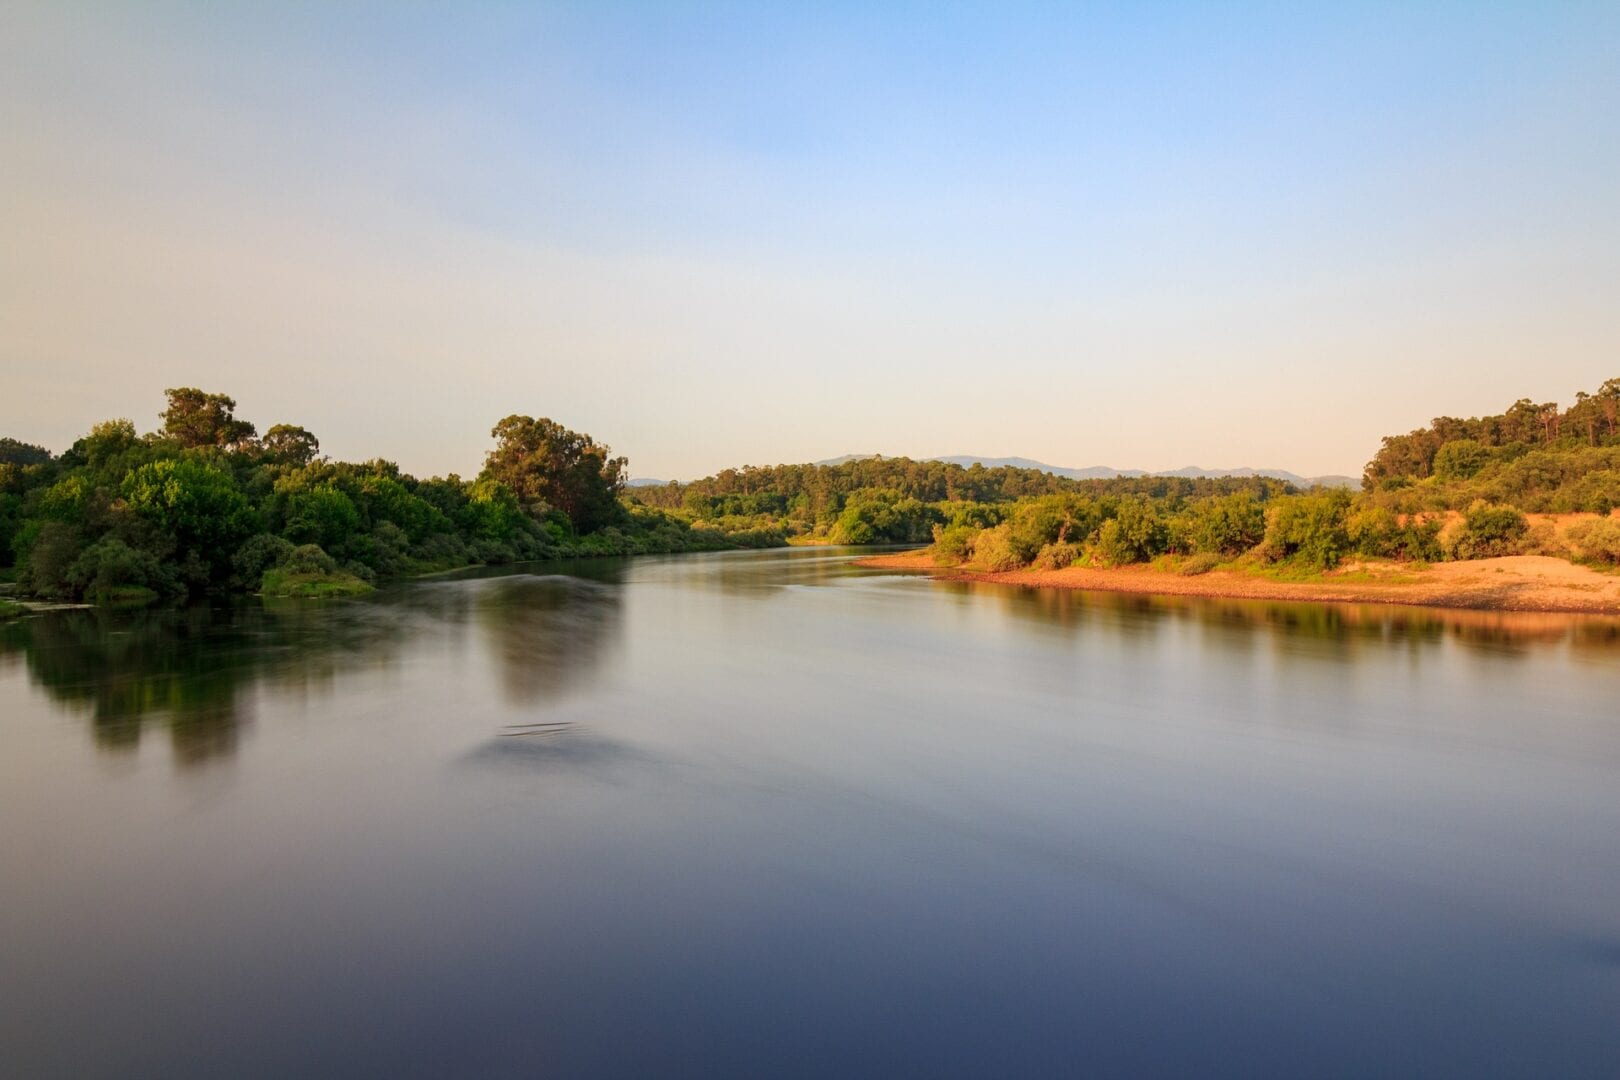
(1536, 456)
(205, 503)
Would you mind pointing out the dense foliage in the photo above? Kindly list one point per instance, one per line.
(881, 500)
(1537, 457)
(1458, 489)
(206, 504)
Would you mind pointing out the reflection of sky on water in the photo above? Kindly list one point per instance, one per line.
(766, 812)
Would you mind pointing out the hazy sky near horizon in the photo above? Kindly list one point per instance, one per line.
(1143, 235)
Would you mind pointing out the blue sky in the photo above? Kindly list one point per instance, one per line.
(1143, 235)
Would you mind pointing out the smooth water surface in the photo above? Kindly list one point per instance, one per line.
(768, 814)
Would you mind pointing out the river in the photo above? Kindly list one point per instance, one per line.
(769, 814)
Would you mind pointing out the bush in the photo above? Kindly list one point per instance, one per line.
(1051, 519)
(110, 571)
(1309, 529)
(1543, 539)
(1226, 525)
(256, 556)
(994, 550)
(1057, 556)
(308, 559)
(1135, 533)
(1489, 531)
(953, 544)
(1597, 541)
(1373, 531)
(47, 552)
(1202, 563)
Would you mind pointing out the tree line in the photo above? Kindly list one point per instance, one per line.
(206, 503)
(1537, 456)
(1457, 489)
(898, 500)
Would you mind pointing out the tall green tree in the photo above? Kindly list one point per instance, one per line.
(13, 452)
(195, 418)
(546, 465)
(194, 502)
(289, 444)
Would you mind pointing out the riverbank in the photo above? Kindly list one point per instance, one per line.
(1514, 583)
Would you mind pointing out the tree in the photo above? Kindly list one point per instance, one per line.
(289, 444)
(546, 465)
(492, 511)
(321, 515)
(1310, 528)
(194, 502)
(1608, 396)
(1135, 533)
(107, 442)
(13, 452)
(195, 418)
(1460, 459)
(1228, 524)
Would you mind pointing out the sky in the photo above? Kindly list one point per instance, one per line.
(1143, 235)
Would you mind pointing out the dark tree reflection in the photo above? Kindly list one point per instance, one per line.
(1331, 627)
(194, 673)
(547, 633)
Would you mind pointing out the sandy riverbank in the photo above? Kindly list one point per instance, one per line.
(1515, 583)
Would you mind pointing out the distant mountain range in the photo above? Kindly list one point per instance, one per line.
(1090, 472)
(1105, 472)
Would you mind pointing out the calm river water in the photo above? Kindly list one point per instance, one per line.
(768, 814)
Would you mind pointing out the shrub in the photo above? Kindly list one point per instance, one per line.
(1597, 541)
(308, 559)
(256, 556)
(1226, 525)
(1201, 563)
(1057, 556)
(110, 571)
(1490, 530)
(1543, 539)
(1111, 546)
(993, 550)
(47, 552)
(1135, 533)
(1420, 540)
(1373, 531)
(1051, 519)
(953, 544)
(1309, 529)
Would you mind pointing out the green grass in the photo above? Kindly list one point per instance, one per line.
(312, 586)
(10, 610)
(126, 596)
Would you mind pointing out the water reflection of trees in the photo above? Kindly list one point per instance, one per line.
(195, 673)
(1337, 626)
(751, 573)
(546, 633)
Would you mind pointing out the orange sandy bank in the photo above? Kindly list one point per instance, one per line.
(1515, 583)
